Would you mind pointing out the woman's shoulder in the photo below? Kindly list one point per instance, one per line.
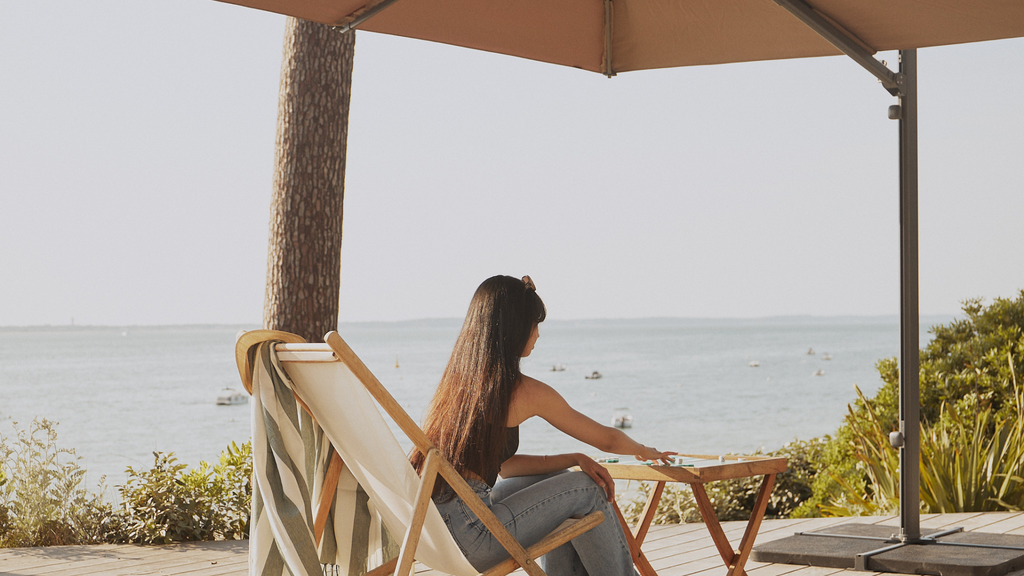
(530, 386)
(529, 398)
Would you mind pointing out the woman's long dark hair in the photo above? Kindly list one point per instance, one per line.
(467, 419)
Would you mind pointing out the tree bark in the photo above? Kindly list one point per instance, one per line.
(304, 257)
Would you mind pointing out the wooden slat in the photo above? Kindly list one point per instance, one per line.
(550, 542)
(327, 494)
(412, 535)
(484, 514)
(385, 569)
(707, 512)
(1006, 523)
(750, 533)
(647, 516)
(639, 559)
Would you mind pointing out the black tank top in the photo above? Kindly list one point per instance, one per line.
(511, 447)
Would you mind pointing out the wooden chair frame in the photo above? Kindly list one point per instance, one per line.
(434, 465)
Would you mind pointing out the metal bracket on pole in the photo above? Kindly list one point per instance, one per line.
(363, 14)
(845, 41)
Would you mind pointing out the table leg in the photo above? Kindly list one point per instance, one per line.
(707, 512)
(640, 531)
(642, 565)
(756, 515)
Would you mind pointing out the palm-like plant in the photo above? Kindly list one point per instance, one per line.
(965, 466)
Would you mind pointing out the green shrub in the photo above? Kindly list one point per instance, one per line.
(169, 504)
(964, 372)
(972, 464)
(42, 501)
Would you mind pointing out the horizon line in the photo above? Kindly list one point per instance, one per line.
(776, 317)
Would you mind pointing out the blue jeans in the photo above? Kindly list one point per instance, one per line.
(531, 507)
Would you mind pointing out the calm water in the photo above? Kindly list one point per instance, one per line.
(121, 393)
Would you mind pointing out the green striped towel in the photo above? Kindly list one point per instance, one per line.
(291, 454)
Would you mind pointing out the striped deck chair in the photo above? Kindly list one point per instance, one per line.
(349, 436)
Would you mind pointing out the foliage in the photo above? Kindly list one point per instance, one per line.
(42, 501)
(734, 499)
(963, 366)
(876, 489)
(169, 504)
(971, 464)
(967, 470)
(966, 370)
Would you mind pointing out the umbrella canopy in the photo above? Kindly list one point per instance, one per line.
(622, 35)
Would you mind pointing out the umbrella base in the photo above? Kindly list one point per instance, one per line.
(872, 547)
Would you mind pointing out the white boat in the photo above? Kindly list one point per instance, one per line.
(826, 356)
(593, 375)
(231, 397)
(558, 368)
(819, 373)
(754, 364)
(621, 418)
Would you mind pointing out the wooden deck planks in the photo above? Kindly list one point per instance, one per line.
(674, 550)
(194, 559)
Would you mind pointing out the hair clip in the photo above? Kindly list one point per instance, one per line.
(529, 283)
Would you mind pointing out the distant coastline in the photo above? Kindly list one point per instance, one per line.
(928, 319)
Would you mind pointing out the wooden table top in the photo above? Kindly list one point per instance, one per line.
(698, 468)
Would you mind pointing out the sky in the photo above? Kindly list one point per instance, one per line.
(137, 145)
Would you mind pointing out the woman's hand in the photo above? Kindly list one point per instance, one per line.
(600, 475)
(650, 453)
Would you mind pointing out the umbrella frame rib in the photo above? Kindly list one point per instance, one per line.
(364, 14)
(842, 39)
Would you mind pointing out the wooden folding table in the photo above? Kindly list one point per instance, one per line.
(696, 470)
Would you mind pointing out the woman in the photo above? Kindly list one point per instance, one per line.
(474, 421)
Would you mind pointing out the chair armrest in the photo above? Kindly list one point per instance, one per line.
(566, 531)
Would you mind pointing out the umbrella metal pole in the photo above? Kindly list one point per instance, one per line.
(910, 327)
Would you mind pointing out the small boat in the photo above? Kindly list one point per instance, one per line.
(810, 351)
(621, 418)
(826, 356)
(558, 368)
(595, 375)
(819, 373)
(754, 364)
(231, 397)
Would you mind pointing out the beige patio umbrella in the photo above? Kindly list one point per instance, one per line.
(613, 36)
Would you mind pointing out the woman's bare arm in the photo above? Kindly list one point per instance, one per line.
(535, 398)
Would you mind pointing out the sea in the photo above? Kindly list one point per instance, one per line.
(701, 386)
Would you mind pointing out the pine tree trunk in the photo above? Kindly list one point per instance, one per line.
(304, 257)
